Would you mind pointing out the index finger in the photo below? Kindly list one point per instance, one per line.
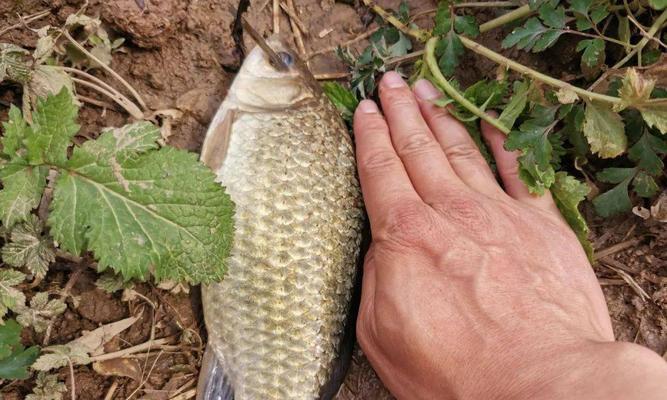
(384, 182)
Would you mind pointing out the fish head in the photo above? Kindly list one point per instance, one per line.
(273, 80)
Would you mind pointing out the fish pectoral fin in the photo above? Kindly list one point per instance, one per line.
(213, 382)
(214, 149)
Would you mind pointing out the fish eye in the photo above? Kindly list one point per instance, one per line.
(286, 58)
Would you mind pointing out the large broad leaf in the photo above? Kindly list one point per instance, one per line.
(140, 209)
(568, 192)
(14, 358)
(604, 130)
(23, 187)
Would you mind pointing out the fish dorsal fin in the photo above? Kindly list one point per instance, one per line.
(215, 146)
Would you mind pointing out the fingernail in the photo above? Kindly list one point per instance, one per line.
(426, 91)
(392, 80)
(368, 107)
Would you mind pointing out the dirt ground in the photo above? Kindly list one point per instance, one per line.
(181, 54)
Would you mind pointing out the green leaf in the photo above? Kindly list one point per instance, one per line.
(28, 248)
(342, 98)
(599, 13)
(645, 153)
(140, 209)
(581, 6)
(616, 175)
(16, 365)
(466, 25)
(568, 193)
(658, 4)
(616, 200)
(532, 36)
(593, 52)
(535, 168)
(47, 387)
(552, 17)
(604, 130)
(53, 128)
(10, 297)
(23, 187)
(443, 20)
(14, 358)
(41, 312)
(486, 93)
(517, 103)
(644, 185)
(573, 129)
(449, 50)
(59, 356)
(655, 116)
(16, 130)
(10, 337)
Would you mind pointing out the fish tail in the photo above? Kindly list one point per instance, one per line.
(213, 382)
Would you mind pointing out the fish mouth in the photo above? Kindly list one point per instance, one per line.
(276, 60)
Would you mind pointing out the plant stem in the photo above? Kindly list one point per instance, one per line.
(522, 69)
(420, 34)
(505, 18)
(480, 4)
(130, 107)
(452, 92)
(649, 35)
(106, 68)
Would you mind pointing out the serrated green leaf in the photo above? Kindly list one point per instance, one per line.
(616, 175)
(568, 193)
(616, 200)
(645, 153)
(158, 211)
(47, 387)
(581, 6)
(535, 167)
(583, 23)
(41, 312)
(449, 50)
(552, 17)
(599, 12)
(644, 185)
(593, 52)
(111, 283)
(10, 337)
(443, 20)
(16, 130)
(466, 25)
(59, 356)
(16, 365)
(53, 128)
(515, 106)
(28, 248)
(658, 4)
(342, 98)
(526, 36)
(604, 130)
(10, 297)
(547, 40)
(486, 93)
(655, 116)
(23, 187)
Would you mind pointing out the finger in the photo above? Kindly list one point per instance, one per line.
(508, 169)
(461, 151)
(384, 182)
(421, 154)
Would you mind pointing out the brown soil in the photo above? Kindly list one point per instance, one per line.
(180, 54)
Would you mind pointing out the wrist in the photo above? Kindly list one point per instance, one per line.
(595, 370)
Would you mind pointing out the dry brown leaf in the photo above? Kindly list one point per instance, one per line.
(93, 341)
(124, 367)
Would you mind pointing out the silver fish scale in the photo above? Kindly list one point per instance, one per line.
(277, 319)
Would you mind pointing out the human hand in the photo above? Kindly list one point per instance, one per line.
(469, 290)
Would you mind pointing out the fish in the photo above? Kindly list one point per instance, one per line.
(280, 324)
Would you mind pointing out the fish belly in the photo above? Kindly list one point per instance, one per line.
(276, 321)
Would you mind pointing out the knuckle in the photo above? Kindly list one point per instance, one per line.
(416, 143)
(374, 125)
(463, 151)
(468, 214)
(399, 97)
(378, 161)
(406, 226)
